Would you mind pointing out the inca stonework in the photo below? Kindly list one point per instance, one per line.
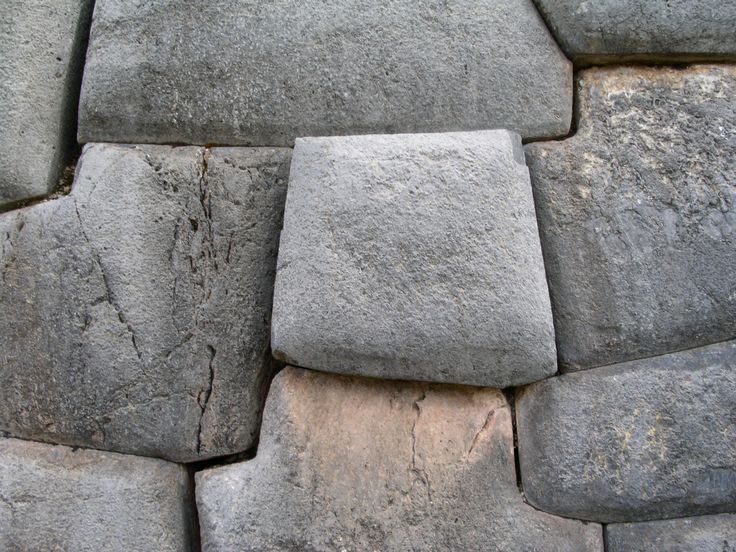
(494, 241)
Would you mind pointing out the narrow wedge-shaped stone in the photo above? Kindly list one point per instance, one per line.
(136, 310)
(414, 257)
(359, 464)
(642, 440)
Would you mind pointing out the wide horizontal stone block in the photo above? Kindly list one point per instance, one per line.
(642, 29)
(696, 534)
(262, 73)
(58, 498)
(360, 464)
(42, 45)
(637, 215)
(413, 257)
(642, 440)
(136, 311)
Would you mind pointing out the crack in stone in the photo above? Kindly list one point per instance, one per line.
(419, 473)
(485, 425)
(204, 396)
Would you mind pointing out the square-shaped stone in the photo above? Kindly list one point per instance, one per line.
(413, 257)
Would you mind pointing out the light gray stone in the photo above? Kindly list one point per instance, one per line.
(637, 214)
(642, 440)
(696, 534)
(136, 311)
(54, 498)
(413, 257)
(358, 464)
(262, 73)
(595, 31)
(42, 45)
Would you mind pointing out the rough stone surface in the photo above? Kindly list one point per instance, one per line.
(642, 440)
(637, 215)
(57, 498)
(136, 311)
(697, 534)
(358, 464)
(262, 73)
(42, 45)
(413, 257)
(674, 29)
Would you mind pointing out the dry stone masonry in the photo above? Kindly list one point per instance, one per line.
(494, 240)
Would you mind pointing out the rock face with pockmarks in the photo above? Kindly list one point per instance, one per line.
(136, 311)
(637, 214)
(359, 464)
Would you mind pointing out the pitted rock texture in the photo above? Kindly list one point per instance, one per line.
(136, 311)
(642, 29)
(358, 464)
(42, 45)
(413, 257)
(58, 498)
(642, 440)
(637, 214)
(262, 73)
(696, 534)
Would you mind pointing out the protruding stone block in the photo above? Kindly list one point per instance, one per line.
(42, 45)
(136, 311)
(637, 214)
(696, 534)
(414, 257)
(359, 464)
(58, 498)
(262, 73)
(642, 440)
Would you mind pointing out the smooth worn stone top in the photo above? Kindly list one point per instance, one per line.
(637, 214)
(643, 29)
(358, 464)
(57, 498)
(42, 45)
(695, 534)
(136, 311)
(413, 257)
(263, 73)
(642, 440)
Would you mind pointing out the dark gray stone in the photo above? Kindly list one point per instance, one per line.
(136, 311)
(57, 498)
(358, 465)
(413, 257)
(696, 534)
(262, 73)
(642, 440)
(42, 45)
(643, 29)
(637, 214)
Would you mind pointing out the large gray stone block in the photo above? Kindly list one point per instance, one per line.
(599, 30)
(642, 440)
(696, 534)
(136, 311)
(637, 214)
(42, 45)
(262, 73)
(359, 464)
(413, 257)
(54, 498)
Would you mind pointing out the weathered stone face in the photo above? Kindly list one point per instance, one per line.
(58, 498)
(674, 29)
(696, 534)
(255, 73)
(637, 216)
(648, 439)
(358, 464)
(136, 311)
(41, 58)
(413, 257)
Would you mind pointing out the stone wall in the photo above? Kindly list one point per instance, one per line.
(368, 276)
